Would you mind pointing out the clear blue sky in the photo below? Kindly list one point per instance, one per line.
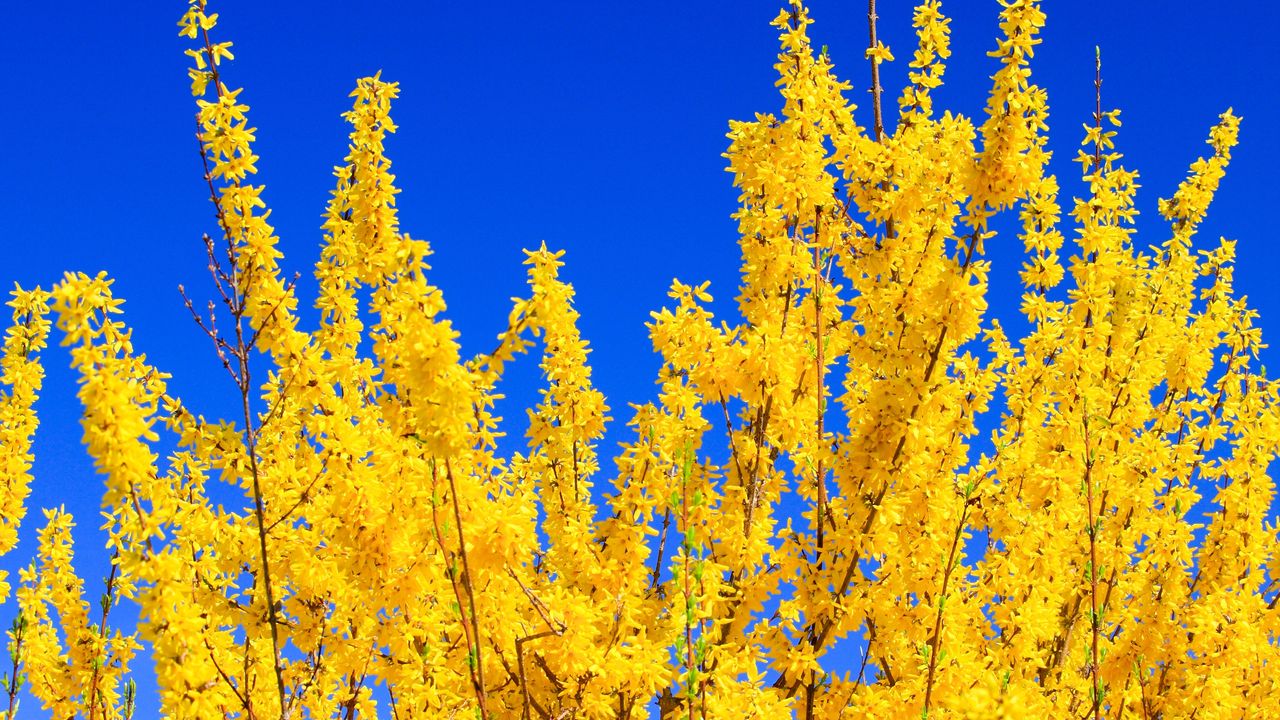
(597, 127)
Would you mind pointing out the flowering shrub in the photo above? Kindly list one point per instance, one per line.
(384, 541)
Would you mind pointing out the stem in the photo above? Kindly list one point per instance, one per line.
(1097, 108)
(528, 701)
(1096, 692)
(259, 513)
(391, 695)
(19, 633)
(760, 425)
(688, 596)
(733, 452)
(935, 641)
(876, 89)
(130, 699)
(821, 383)
(108, 599)
(657, 563)
(478, 675)
(235, 302)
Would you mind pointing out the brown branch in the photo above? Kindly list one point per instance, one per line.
(555, 627)
(211, 330)
(391, 695)
(288, 292)
(820, 389)
(876, 89)
(1095, 686)
(354, 685)
(235, 302)
(524, 686)
(760, 425)
(657, 563)
(862, 669)
(303, 497)
(450, 569)
(733, 451)
(259, 511)
(244, 700)
(317, 660)
(478, 673)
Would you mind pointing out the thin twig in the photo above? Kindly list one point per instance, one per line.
(19, 634)
(108, 599)
(235, 302)
(657, 563)
(876, 89)
(820, 389)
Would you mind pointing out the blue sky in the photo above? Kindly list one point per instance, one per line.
(597, 127)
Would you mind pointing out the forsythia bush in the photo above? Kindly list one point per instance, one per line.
(385, 547)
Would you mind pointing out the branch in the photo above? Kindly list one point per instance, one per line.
(18, 632)
(876, 89)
